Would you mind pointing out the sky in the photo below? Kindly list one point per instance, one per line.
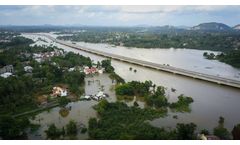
(178, 15)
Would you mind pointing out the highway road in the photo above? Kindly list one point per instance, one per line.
(160, 67)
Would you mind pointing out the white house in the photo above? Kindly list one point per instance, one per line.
(6, 75)
(71, 69)
(7, 68)
(38, 60)
(28, 69)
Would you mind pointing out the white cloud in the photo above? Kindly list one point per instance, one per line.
(115, 15)
(129, 17)
(149, 9)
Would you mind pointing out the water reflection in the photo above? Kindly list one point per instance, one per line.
(64, 111)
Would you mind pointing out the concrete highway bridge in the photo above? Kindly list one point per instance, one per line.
(170, 69)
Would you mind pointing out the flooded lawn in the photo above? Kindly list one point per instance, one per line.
(79, 111)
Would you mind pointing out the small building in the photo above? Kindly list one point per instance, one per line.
(59, 91)
(212, 137)
(39, 60)
(7, 68)
(36, 55)
(71, 69)
(207, 137)
(28, 69)
(6, 75)
(91, 70)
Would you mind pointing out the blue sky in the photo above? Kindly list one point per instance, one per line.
(119, 15)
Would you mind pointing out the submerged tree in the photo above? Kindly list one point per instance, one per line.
(63, 101)
(53, 132)
(236, 132)
(71, 128)
(106, 64)
(186, 131)
(220, 130)
(12, 128)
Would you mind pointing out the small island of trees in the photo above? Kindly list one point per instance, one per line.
(230, 57)
(153, 95)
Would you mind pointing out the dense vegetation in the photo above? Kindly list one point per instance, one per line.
(18, 93)
(153, 39)
(150, 38)
(157, 98)
(182, 105)
(71, 128)
(71, 60)
(106, 64)
(236, 132)
(12, 128)
(153, 95)
(53, 132)
(142, 37)
(118, 121)
(220, 130)
(209, 55)
(116, 77)
(186, 131)
(63, 101)
(57, 133)
(160, 37)
(231, 57)
(134, 88)
(15, 41)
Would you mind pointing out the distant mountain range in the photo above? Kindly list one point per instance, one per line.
(213, 26)
(203, 27)
(237, 27)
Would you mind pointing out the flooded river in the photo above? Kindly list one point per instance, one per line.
(210, 100)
